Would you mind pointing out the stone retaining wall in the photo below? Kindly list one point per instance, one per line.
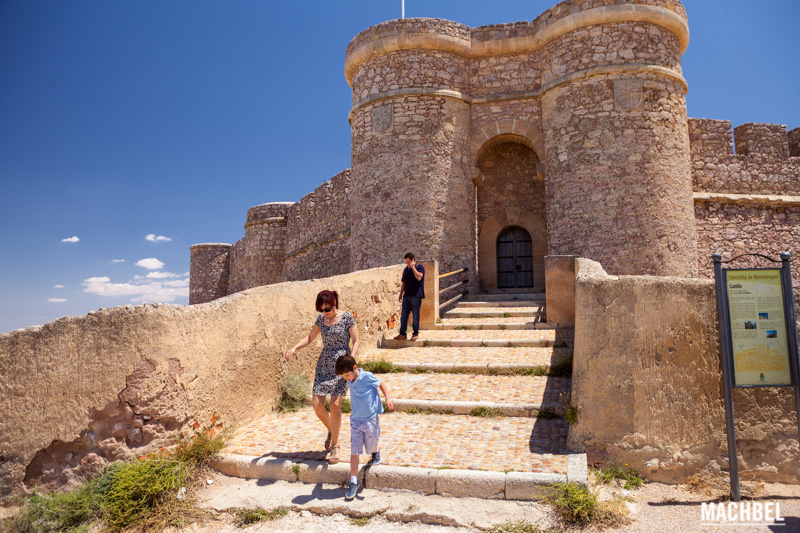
(122, 382)
(647, 381)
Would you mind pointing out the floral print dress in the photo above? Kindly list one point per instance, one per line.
(335, 342)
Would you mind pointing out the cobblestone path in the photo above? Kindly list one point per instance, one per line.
(469, 366)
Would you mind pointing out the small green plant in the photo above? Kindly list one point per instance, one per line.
(380, 367)
(248, 517)
(501, 326)
(487, 412)
(360, 522)
(538, 370)
(464, 327)
(293, 393)
(426, 343)
(516, 527)
(611, 472)
(547, 414)
(483, 344)
(510, 344)
(562, 369)
(59, 511)
(506, 315)
(346, 407)
(570, 411)
(576, 505)
(296, 469)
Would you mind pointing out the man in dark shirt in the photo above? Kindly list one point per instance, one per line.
(412, 291)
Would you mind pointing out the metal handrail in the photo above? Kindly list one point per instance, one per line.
(459, 284)
(465, 269)
(453, 300)
(454, 286)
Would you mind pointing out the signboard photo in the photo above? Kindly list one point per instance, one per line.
(758, 328)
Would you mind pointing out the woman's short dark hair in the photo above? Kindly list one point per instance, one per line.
(344, 364)
(327, 297)
(409, 255)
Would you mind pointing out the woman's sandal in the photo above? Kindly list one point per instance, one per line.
(328, 441)
(334, 457)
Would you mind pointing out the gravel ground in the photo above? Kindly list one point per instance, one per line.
(653, 507)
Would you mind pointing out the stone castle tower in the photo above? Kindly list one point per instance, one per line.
(492, 147)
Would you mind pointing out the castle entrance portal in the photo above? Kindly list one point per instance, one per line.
(514, 259)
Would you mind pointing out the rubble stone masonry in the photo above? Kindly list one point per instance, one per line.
(572, 126)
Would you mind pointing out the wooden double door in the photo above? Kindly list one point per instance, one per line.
(514, 259)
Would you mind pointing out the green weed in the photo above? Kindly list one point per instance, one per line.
(346, 407)
(247, 517)
(576, 505)
(380, 367)
(487, 412)
(611, 472)
(562, 369)
(360, 522)
(570, 411)
(293, 393)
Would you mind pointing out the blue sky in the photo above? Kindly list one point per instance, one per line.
(121, 120)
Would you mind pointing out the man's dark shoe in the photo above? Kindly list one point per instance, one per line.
(414, 337)
(352, 488)
(401, 338)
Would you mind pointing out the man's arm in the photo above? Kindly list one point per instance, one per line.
(417, 273)
(402, 290)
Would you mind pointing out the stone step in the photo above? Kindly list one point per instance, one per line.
(495, 312)
(489, 323)
(504, 457)
(559, 338)
(468, 359)
(507, 296)
(502, 303)
(518, 395)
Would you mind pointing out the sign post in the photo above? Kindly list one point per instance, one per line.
(758, 337)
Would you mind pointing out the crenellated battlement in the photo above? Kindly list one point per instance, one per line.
(752, 158)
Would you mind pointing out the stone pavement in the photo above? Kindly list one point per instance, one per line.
(435, 442)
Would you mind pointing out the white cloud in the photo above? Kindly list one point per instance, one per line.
(154, 291)
(151, 263)
(157, 238)
(57, 300)
(74, 238)
(58, 286)
(161, 275)
(118, 260)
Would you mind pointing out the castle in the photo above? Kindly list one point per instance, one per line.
(492, 147)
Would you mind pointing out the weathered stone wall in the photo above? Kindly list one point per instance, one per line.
(121, 382)
(238, 279)
(209, 271)
(318, 232)
(647, 381)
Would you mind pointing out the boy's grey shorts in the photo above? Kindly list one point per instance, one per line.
(364, 434)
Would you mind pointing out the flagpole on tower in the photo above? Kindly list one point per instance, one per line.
(402, 9)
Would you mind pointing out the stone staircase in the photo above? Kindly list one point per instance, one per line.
(479, 403)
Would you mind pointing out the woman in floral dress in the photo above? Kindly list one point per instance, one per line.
(338, 328)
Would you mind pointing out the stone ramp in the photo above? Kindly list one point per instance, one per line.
(503, 457)
(476, 414)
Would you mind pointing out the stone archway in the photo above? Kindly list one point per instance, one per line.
(505, 130)
(491, 229)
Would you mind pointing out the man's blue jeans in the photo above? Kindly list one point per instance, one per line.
(411, 304)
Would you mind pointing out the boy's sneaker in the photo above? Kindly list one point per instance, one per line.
(376, 458)
(352, 488)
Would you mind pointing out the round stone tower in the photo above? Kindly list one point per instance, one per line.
(264, 243)
(410, 178)
(618, 176)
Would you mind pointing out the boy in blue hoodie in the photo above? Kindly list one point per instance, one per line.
(365, 429)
